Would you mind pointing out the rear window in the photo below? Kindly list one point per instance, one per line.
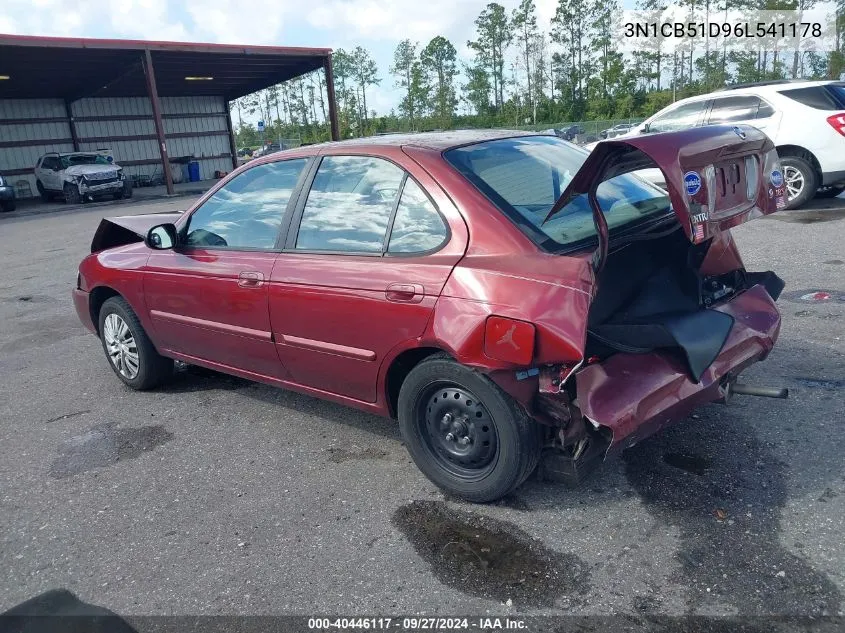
(524, 177)
(830, 97)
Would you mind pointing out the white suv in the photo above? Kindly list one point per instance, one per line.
(76, 176)
(804, 119)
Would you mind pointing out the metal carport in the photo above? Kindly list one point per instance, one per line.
(152, 98)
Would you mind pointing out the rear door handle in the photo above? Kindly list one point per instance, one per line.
(250, 279)
(405, 293)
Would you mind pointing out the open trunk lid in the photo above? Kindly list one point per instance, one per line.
(716, 176)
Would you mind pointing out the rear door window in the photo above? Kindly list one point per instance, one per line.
(350, 204)
(738, 108)
(417, 226)
(681, 118)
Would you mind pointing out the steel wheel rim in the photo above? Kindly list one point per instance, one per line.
(121, 347)
(794, 182)
(457, 431)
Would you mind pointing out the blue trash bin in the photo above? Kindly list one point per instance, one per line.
(194, 170)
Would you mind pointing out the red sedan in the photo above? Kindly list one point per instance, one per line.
(505, 296)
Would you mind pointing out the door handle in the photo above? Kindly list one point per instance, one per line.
(405, 293)
(250, 279)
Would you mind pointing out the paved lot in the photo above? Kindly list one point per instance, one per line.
(215, 495)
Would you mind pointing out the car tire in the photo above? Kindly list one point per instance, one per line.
(127, 188)
(494, 444)
(7, 206)
(801, 180)
(829, 192)
(72, 195)
(45, 195)
(130, 352)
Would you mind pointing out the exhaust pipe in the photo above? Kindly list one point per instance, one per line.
(763, 392)
(732, 387)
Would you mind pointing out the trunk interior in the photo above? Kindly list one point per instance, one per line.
(650, 296)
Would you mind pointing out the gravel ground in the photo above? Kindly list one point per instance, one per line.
(215, 495)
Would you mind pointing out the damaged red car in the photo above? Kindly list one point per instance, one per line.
(507, 297)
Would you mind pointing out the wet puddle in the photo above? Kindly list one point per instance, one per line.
(690, 463)
(484, 557)
(809, 217)
(103, 446)
(339, 455)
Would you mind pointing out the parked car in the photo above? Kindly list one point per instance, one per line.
(504, 295)
(77, 176)
(616, 130)
(268, 148)
(7, 195)
(245, 152)
(805, 120)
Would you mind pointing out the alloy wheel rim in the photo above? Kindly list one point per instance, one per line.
(458, 431)
(794, 180)
(121, 347)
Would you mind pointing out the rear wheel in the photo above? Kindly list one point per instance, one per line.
(800, 179)
(131, 354)
(464, 433)
(72, 195)
(7, 205)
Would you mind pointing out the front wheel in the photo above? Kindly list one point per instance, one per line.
(72, 195)
(7, 205)
(800, 179)
(464, 433)
(130, 352)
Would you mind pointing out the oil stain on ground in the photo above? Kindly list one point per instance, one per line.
(105, 445)
(729, 518)
(487, 558)
(339, 455)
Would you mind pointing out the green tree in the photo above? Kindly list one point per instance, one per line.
(477, 89)
(365, 71)
(570, 31)
(493, 38)
(439, 60)
(404, 59)
(524, 24)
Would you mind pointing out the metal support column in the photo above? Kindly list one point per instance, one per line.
(73, 135)
(335, 128)
(232, 146)
(152, 90)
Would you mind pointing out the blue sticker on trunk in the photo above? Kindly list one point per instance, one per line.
(692, 182)
(777, 178)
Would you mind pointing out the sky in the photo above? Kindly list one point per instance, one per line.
(377, 25)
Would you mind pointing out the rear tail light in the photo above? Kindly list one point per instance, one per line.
(509, 340)
(837, 122)
(752, 177)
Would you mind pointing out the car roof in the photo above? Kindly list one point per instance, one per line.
(430, 140)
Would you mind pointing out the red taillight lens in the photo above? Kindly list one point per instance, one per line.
(509, 340)
(837, 122)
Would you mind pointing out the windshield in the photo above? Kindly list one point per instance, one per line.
(69, 160)
(525, 176)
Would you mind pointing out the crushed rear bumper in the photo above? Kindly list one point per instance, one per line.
(636, 395)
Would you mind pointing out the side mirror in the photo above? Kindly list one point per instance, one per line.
(646, 128)
(162, 237)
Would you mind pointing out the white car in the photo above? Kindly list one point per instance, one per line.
(77, 176)
(804, 119)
